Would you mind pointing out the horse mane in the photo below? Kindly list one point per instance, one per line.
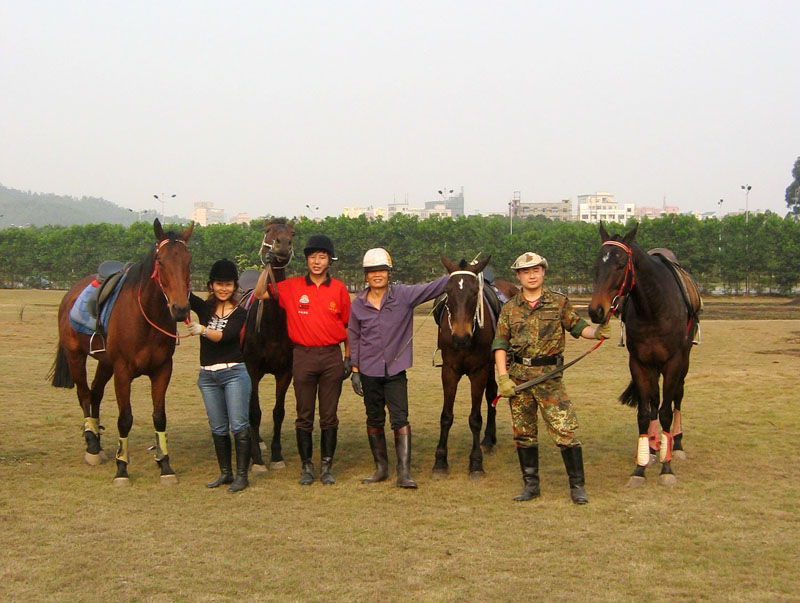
(463, 265)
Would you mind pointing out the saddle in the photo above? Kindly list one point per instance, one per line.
(492, 296)
(109, 274)
(689, 288)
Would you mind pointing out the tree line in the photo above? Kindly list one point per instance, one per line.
(760, 251)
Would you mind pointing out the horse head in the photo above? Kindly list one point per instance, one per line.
(613, 273)
(278, 242)
(463, 292)
(171, 268)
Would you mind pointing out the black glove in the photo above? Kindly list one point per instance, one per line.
(357, 387)
(348, 367)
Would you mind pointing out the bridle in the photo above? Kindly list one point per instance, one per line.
(266, 250)
(478, 316)
(628, 270)
(156, 276)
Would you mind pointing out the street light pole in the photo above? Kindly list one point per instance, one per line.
(746, 188)
(163, 199)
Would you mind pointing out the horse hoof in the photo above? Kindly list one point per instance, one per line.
(122, 482)
(277, 465)
(258, 468)
(263, 446)
(636, 481)
(667, 479)
(169, 480)
(440, 473)
(94, 459)
(487, 448)
(678, 455)
(477, 475)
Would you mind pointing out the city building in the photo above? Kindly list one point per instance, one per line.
(204, 213)
(602, 206)
(370, 212)
(655, 212)
(454, 203)
(557, 210)
(240, 218)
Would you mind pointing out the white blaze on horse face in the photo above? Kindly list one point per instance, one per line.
(461, 283)
(606, 256)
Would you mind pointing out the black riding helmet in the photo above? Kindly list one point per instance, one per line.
(223, 270)
(319, 242)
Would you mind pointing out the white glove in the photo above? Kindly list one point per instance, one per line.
(195, 328)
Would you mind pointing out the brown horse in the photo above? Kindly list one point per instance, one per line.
(660, 327)
(140, 340)
(465, 338)
(267, 347)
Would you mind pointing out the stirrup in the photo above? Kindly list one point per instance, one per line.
(433, 360)
(97, 351)
(698, 335)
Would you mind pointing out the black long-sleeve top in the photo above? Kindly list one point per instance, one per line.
(227, 349)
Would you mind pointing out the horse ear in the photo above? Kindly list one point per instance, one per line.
(266, 223)
(290, 225)
(160, 236)
(186, 234)
(603, 233)
(450, 266)
(630, 236)
(478, 268)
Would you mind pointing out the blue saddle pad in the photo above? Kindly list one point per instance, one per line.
(79, 317)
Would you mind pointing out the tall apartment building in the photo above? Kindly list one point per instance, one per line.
(204, 213)
(557, 210)
(602, 206)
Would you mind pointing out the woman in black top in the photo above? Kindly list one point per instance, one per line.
(223, 381)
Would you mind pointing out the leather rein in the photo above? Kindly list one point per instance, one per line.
(156, 276)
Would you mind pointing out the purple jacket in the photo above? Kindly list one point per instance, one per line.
(378, 336)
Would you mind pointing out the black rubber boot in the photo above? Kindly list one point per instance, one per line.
(573, 461)
(327, 447)
(377, 443)
(242, 443)
(305, 447)
(529, 463)
(402, 445)
(222, 446)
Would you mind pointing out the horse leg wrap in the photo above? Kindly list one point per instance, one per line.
(665, 452)
(652, 434)
(643, 451)
(676, 422)
(122, 451)
(91, 424)
(161, 445)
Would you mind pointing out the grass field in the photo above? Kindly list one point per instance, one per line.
(727, 531)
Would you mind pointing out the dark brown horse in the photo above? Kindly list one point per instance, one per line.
(660, 327)
(140, 340)
(267, 347)
(465, 338)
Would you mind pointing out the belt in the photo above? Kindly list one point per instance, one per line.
(539, 361)
(220, 365)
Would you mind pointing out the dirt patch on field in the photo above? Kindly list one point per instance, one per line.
(793, 339)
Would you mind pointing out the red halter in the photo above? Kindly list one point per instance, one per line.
(628, 269)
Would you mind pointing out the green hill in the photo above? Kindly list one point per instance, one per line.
(23, 208)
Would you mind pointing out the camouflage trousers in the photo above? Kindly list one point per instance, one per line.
(557, 412)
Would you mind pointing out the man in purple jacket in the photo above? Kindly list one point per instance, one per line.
(381, 324)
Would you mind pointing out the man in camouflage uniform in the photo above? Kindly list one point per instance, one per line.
(529, 342)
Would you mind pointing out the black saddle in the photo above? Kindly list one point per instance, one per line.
(108, 275)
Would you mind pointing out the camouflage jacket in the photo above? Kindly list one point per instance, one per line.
(539, 331)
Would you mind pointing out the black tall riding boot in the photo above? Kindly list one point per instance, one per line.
(327, 447)
(222, 446)
(529, 463)
(377, 443)
(305, 447)
(242, 443)
(573, 461)
(402, 445)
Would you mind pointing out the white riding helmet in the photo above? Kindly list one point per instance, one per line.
(529, 260)
(377, 259)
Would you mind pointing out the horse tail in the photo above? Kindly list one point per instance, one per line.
(59, 372)
(629, 396)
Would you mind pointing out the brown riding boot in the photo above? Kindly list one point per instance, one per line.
(377, 443)
(402, 445)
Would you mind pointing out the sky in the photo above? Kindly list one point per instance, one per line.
(303, 107)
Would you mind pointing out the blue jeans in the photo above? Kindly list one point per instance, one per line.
(226, 394)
